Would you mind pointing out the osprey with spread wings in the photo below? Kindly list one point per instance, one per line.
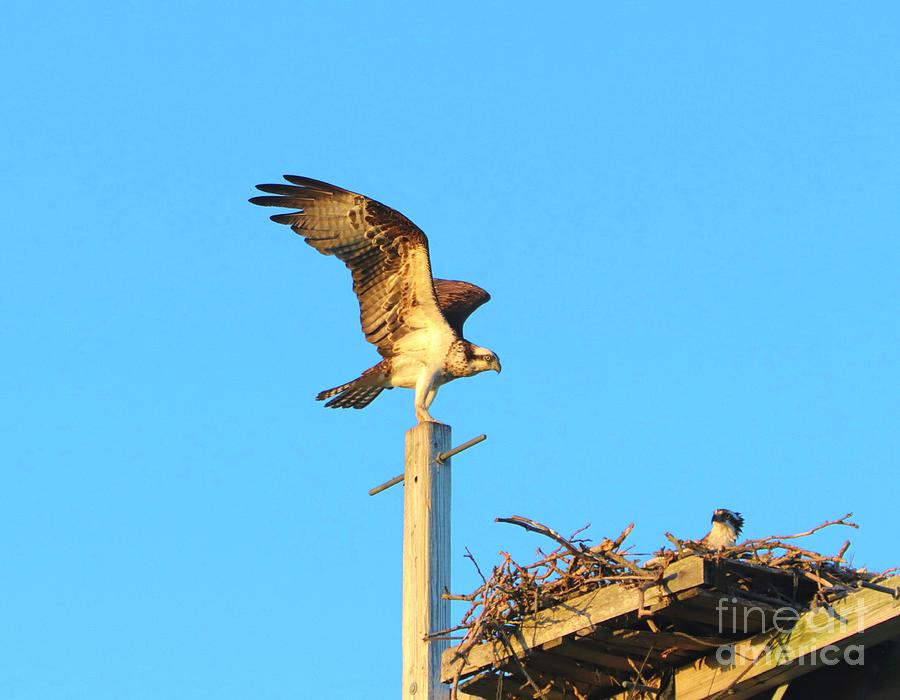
(415, 321)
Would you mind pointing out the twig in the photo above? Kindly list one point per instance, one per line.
(843, 550)
(533, 526)
(828, 523)
(469, 555)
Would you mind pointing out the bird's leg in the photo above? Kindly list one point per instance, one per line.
(425, 393)
(432, 392)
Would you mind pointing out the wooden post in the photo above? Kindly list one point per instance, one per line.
(426, 560)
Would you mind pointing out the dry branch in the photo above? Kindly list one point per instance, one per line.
(513, 591)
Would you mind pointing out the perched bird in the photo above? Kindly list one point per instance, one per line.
(726, 528)
(414, 321)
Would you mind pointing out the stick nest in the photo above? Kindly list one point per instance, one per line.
(513, 591)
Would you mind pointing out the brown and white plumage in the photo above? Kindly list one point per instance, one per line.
(458, 300)
(726, 528)
(415, 322)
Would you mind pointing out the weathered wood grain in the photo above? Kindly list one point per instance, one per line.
(771, 659)
(426, 560)
(581, 612)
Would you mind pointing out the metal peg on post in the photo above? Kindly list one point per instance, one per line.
(426, 560)
(443, 456)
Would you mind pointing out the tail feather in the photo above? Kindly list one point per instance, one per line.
(356, 394)
(328, 393)
(354, 398)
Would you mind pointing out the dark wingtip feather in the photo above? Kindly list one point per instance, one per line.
(319, 185)
(284, 202)
(277, 189)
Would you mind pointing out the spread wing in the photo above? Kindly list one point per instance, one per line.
(386, 253)
(458, 300)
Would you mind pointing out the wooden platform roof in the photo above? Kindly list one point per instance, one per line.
(706, 629)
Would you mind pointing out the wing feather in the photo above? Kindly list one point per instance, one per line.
(458, 300)
(387, 255)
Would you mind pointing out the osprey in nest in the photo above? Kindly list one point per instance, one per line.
(415, 321)
(726, 528)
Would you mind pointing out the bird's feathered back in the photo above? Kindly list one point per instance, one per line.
(386, 253)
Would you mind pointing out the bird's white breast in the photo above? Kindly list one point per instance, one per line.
(421, 350)
(721, 535)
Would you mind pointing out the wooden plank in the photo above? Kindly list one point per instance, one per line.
(491, 686)
(563, 667)
(584, 611)
(426, 560)
(771, 659)
(762, 575)
(583, 650)
(483, 686)
(635, 691)
(780, 691)
(738, 614)
(551, 685)
(877, 679)
(641, 641)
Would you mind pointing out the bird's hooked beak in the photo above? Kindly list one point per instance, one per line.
(495, 365)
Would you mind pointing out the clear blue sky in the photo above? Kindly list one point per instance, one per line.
(688, 219)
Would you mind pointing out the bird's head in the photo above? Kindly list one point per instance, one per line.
(730, 518)
(482, 359)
